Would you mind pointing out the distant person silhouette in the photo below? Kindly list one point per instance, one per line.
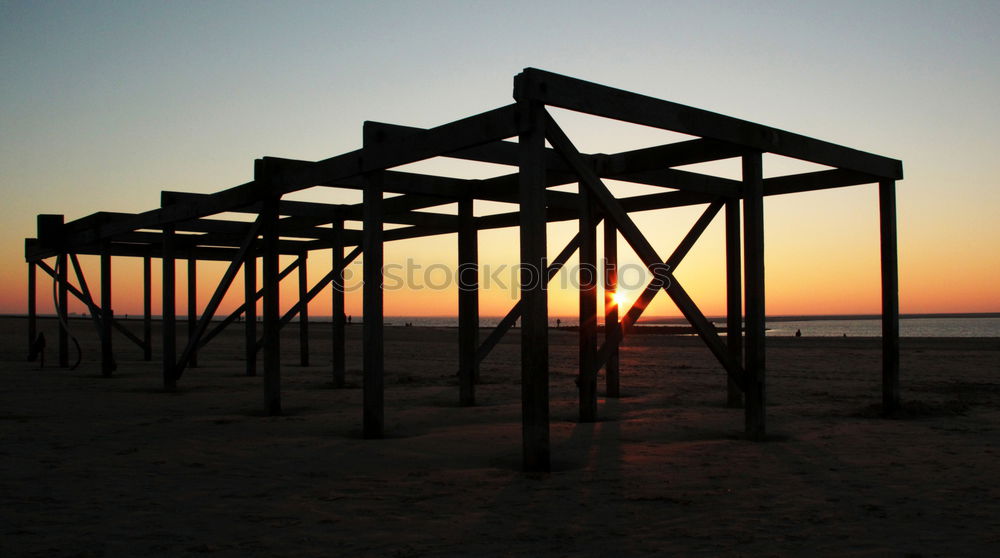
(558, 323)
(798, 333)
(348, 318)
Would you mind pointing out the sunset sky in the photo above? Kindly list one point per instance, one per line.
(103, 105)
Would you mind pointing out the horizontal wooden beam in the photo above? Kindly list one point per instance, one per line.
(497, 152)
(35, 253)
(591, 98)
(104, 225)
(485, 128)
(212, 204)
(468, 132)
(441, 189)
(608, 166)
(675, 154)
(327, 213)
(632, 166)
(396, 181)
(817, 180)
(428, 224)
(686, 181)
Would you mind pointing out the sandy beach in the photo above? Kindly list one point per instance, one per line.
(93, 466)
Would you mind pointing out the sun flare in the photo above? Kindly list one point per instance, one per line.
(619, 298)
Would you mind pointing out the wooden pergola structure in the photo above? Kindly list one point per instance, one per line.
(183, 227)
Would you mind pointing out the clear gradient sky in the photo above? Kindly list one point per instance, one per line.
(102, 105)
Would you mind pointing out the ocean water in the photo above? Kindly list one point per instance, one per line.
(977, 326)
(820, 326)
(908, 327)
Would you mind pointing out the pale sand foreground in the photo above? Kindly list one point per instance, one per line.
(115, 467)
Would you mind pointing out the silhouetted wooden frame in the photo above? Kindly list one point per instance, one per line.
(185, 227)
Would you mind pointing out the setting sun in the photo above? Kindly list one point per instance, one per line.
(620, 298)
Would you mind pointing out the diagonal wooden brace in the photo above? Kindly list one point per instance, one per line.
(510, 319)
(320, 285)
(242, 307)
(637, 308)
(220, 292)
(95, 310)
(314, 292)
(88, 301)
(614, 212)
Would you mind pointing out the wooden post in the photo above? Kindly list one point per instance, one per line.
(62, 262)
(32, 311)
(534, 311)
(303, 310)
(468, 303)
(107, 315)
(147, 307)
(337, 305)
(192, 288)
(611, 373)
(169, 310)
(250, 313)
(734, 299)
(753, 262)
(587, 376)
(272, 317)
(890, 297)
(373, 365)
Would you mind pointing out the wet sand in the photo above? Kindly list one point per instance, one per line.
(93, 466)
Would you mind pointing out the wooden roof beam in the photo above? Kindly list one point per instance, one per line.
(468, 132)
(327, 213)
(34, 252)
(632, 166)
(600, 100)
(668, 155)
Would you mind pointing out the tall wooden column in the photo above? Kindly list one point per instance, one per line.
(62, 262)
(586, 377)
(373, 326)
(337, 305)
(611, 372)
(32, 310)
(753, 262)
(169, 310)
(192, 306)
(250, 313)
(147, 307)
(272, 317)
(107, 315)
(734, 299)
(890, 297)
(468, 302)
(534, 304)
(303, 310)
